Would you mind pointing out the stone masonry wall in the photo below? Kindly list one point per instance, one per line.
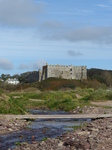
(66, 72)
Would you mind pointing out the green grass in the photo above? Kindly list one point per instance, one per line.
(101, 94)
(17, 143)
(53, 100)
(78, 126)
(11, 106)
(18, 103)
(44, 139)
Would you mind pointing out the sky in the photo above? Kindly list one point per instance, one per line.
(64, 32)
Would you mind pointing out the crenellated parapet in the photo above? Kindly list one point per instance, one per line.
(63, 71)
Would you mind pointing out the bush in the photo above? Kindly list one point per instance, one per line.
(99, 94)
(109, 95)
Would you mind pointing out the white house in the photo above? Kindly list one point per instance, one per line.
(12, 81)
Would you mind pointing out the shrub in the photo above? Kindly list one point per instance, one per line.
(99, 94)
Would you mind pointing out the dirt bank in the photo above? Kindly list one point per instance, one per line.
(104, 104)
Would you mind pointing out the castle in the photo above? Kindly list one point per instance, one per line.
(61, 71)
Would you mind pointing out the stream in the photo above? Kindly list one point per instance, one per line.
(40, 129)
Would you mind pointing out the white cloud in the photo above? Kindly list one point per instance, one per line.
(6, 64)
(74, 53)
(19, 12)
(25, 13)
(90, 34)
(51, 25)
(32, 66)
(103, 6)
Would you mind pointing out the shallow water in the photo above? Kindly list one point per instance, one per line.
(40, 129)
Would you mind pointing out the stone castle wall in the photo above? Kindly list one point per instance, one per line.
(66, 72)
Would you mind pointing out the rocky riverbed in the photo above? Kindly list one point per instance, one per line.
(11, 125)
(96, 135)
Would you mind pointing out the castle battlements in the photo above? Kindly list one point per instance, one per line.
(65, 66)
(63, 71)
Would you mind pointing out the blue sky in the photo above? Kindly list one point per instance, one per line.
(65, 32)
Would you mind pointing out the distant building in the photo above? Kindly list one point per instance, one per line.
(12, 81)
(61, 71)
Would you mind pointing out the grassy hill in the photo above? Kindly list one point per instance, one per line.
(63, 84)
(102, 76)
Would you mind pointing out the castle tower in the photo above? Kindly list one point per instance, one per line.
(40, 75)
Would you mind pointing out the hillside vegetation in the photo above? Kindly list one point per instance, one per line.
(56, 84)
(55, 93)
(102, 76)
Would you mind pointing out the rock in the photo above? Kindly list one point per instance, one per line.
(109, 127)
(78, 107)
(93, 129)
(10, 129)
(83, 133)
(60, 144)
